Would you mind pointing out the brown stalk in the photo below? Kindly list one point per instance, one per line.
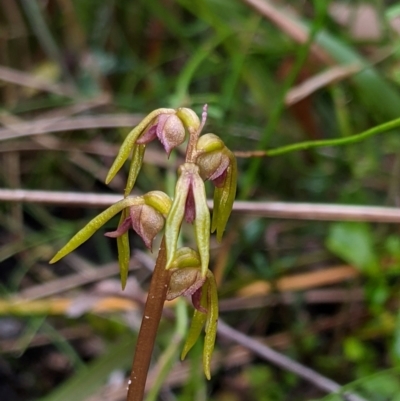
(148, 329)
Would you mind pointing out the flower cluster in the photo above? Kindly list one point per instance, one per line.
(207, 158)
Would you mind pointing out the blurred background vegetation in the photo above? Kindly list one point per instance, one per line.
(76, 74)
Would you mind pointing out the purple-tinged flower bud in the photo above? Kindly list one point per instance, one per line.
(146, 217)
(213, 165)
(185, 282)
(213, 159)
(172, 133)
(168, 128)
(147, 222)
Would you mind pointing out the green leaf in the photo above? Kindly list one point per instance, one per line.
(86, 382)
(396, 339)
(353, 242)
(384, 385)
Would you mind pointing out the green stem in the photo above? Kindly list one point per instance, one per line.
(148, 329)
(333, 142)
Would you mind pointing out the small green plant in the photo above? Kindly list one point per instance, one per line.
(178, 271)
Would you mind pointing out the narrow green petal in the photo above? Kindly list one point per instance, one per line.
(134, 168)
(86, 232)
(175, 217)
(211, 323)
(198, 321)
(202, 223)
(126, 147)
(124, 252)
(224, 198)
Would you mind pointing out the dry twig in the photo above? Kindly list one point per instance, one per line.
(282, 210)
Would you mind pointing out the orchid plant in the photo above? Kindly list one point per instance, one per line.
(179, 271)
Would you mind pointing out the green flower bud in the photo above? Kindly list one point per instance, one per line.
(159, 201)
(189, 118)
(186, 257)
(209, 143)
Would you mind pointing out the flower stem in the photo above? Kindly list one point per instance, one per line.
(349, 140)
(148, 329)
(191, 152)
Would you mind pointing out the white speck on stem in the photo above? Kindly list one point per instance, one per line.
(147, 317)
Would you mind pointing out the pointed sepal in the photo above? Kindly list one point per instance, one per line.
(211, 323)
(135, 166)
(86, 232)
(201, 222)
(224, 196)
(129, 142)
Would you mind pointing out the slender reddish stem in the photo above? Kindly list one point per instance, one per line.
(148, 329)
